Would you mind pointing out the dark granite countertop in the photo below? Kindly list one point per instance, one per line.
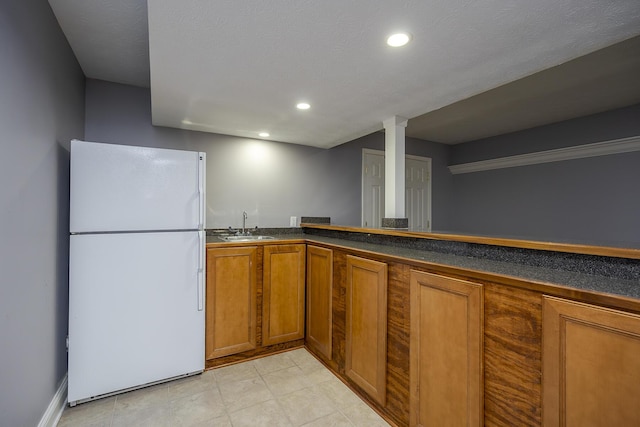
(561, 270)
(557, 277)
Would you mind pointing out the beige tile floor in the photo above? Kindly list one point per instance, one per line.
(286, 389)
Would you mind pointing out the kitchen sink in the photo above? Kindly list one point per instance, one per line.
(245, 238)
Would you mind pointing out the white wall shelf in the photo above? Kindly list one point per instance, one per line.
(616, 146)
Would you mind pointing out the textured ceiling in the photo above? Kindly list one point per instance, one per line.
(239, 67)
(603, 80)
(109, 38)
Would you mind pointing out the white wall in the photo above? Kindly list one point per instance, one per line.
(41, 108)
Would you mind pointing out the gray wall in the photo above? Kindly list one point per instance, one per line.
(41, 107)
(593, 200)
(272, 181)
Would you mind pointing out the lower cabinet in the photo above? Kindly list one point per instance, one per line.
(445, 351)
(426, 349)
(366, 326)
(319, 297)
(255, 301)
(590, 365)
(231, 310)
(283, 293)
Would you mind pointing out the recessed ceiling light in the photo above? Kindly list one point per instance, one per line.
(303, 106)
(398, 39)
(264, 134)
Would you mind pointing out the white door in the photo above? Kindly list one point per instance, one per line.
(126, 188)
(417, 193)
(135, 310)
(417, 185)
(372, 188)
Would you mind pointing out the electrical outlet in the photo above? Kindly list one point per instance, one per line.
(293, 221)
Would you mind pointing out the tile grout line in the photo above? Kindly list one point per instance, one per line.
(274, 395)
(113, 411)
(303, 361)
(311, 386)
(226, 408)
(317, 385)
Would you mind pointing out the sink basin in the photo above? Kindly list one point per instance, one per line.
(246, 238)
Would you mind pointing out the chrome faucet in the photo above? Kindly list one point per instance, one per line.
(244, 223)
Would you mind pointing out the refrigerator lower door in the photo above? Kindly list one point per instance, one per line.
(135, 310)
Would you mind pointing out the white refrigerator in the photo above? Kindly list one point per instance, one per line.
(136, 267)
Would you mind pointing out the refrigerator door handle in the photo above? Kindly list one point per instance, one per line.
(201, 249)
(201, 195)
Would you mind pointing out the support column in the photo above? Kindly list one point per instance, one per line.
(394, 186)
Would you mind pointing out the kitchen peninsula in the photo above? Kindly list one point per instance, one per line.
(478, 330)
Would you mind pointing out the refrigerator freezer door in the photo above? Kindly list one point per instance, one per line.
(133, 310)
(125, 188)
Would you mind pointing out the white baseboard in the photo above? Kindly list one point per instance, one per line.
(56, 406)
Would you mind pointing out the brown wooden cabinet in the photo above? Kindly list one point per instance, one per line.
(319, 296)
(283, 294)
(445, 351)
(429, 348)
(231, 301)
(591, 365)
(366, 326)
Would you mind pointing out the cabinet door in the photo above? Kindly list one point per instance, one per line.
(366, 326)
(445, 351)
(590, 365)
(231, 301)
(283, 295)
(319, 295)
